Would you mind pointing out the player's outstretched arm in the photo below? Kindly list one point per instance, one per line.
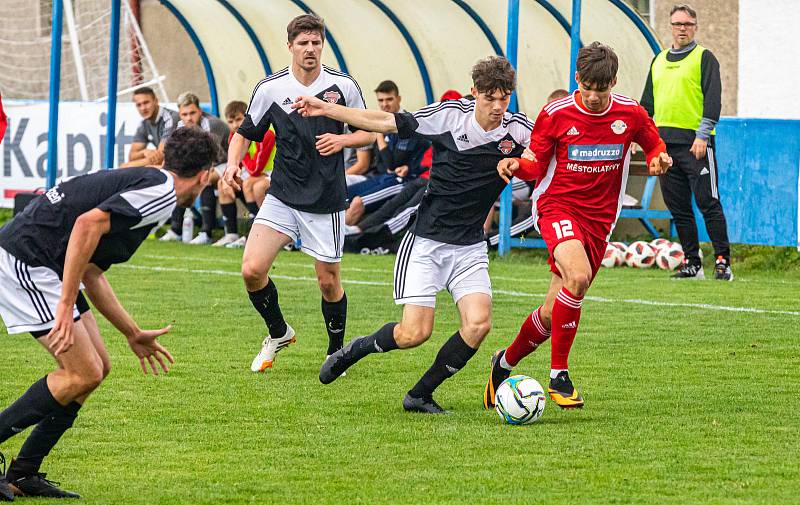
(364, 119)
(330, 143)
(83, 240)
(237, 148)
(143, 343)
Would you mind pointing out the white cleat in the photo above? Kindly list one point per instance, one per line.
(269, 348)
(170, 236)
(239, 244)
(201, 239)
(228, 238)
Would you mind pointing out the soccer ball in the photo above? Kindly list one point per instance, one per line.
(613, 257)
(623, 248)
(659, 243)
(670, 257)
(519, 400)
(640, 255)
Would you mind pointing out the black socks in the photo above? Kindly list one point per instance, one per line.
(29, 409)
(335, 315)
(208, 209)
(380, 341)
(266, 303)
(229, 213)
(452, 357)
(42, 440)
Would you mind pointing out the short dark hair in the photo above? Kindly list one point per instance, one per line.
(597, 65)
(234, 108)
(685, 8)
(304, 24)
(493, 73)
(556, 94)
(189, 151)
(388, 87)
(145, 90)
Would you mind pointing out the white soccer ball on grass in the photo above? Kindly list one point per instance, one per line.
(520, 400)
(640, 254)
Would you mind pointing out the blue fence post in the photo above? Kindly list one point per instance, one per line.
(55, 92)
(512, 38)
(113, 75)
(575, 43)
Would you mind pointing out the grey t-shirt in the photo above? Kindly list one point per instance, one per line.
(219, 130)
(154, 132)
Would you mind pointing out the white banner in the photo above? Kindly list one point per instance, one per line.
(81, 142)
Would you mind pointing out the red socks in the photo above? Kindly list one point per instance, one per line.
(564, 325)
(528, 339)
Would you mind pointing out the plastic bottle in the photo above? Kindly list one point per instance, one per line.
(188, 226)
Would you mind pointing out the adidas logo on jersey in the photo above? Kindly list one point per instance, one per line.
(463, 138)
(704, 171)
(573, 131)
(288, 101)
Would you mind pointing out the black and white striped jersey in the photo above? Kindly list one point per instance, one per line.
(138, 200)
(464, 182)
(302, 178)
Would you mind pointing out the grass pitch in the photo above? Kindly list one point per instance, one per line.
(690, 392)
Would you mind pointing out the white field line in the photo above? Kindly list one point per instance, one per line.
(516, 294)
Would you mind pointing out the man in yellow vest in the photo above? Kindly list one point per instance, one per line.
(683, 95)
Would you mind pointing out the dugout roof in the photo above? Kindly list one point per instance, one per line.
(425, 46)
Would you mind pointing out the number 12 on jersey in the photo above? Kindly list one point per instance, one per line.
(563, 229)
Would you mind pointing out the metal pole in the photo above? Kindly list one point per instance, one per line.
(55, 92)
(113, 74)
(575, 43)
(512, 38)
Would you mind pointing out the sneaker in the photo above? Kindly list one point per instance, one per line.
(336, 364)
(6, 494)
(239, 244)
(497, 375)
(689, 271)
(226, 239)
(422, 405)
(564, 393)
(170, 236)
(37, 485)
(722, 270)
(201, 239)
(269, 348)
(351, 230)
(326, 359)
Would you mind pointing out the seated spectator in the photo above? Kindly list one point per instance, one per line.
(255, 179)
(157, 123)
(191, 115)
(360, 163)
(400, 158)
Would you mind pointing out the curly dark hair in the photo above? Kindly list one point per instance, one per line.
(189, 151)
(597, 65)
(493, 73)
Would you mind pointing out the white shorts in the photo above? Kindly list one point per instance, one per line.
(424, 267)
(28, 295)
(320, 235)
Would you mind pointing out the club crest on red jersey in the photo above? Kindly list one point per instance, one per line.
(619, 127)
(506, 146)
(331, 96)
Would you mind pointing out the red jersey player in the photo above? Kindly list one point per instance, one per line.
(581, 152)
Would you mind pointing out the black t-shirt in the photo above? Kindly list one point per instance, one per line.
(302, 178)
(138, 199)
(464, 182)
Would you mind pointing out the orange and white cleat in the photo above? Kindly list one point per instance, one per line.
(269, 348)
(563, 393)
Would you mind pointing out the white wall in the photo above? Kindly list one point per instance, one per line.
(769, 58)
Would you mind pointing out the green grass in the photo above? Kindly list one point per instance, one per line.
(684, 404)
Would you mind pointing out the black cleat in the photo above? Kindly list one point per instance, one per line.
(564, 393)
(422, 405)
(6, 494)
(37, 485)
(722, 270)
(689, 271)
(496, 377)
(341, 360)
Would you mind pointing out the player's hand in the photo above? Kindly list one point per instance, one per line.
(233, 177)
(660, 164)
(401, 171)
(61, 337)
(145, 346)
(698, 148)
(329, 143)
(506, 168)
(309, 106)
(635, 148)
(153, 157)
(528, 155)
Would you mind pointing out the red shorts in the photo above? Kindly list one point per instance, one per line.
(559, 226)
